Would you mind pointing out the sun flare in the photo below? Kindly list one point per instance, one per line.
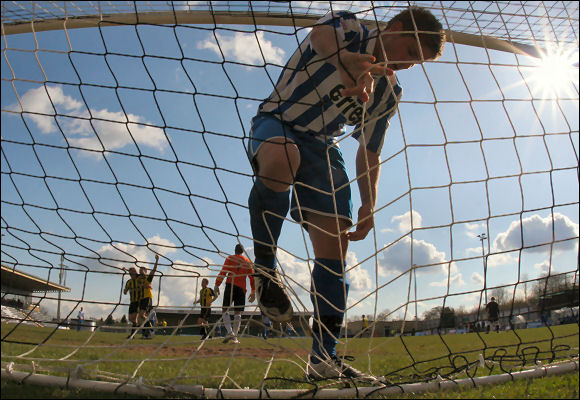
(556, 73)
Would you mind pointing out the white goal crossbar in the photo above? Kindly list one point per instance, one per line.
(199, 391)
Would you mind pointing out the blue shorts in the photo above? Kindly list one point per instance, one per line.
(313, 188)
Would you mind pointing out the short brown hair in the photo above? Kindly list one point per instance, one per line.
(433, 34)
(239, 249)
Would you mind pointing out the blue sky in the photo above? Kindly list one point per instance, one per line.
(155, 161)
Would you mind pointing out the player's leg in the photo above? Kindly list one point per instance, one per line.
(146, 309)
(329, 293)
(228, 297)
(143, 306)
(133, 317)
(275, 158)
(239, 302)
(326, 213)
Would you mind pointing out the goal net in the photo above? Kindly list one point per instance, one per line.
(124, 134)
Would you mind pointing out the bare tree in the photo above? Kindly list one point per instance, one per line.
(501, 295)
(384, 315)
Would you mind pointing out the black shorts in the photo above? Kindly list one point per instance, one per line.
(134, 307)
(145, 304)
(236, 295)
(205, 313)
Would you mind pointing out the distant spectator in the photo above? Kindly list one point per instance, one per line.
(149, 330)
(267, 326)
(81, 318)
(492, 309)
(365, 326)
(546, 320)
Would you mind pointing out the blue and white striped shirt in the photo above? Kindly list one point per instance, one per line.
(307, 95)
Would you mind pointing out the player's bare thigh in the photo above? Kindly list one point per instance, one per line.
(278, 160)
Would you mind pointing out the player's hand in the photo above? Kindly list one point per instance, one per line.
(365, 223)
(252, 297)
(216, 290)
(356, 72)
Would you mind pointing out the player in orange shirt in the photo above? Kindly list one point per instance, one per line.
(237, 267)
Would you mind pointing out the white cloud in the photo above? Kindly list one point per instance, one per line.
(114, 130)
(537, 231)
(180, 286)
(44, 100)
(474, 229)
(404, 221)
(358, 277)
(119, 255)
(243, 47)
(502, 259)
(87, 129)
(455, 277)
(397, 257)
(543, 268)
(477, 278)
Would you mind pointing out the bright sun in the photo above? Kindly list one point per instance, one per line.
(556, 73)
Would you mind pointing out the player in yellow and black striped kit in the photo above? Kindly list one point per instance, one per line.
(132, 286)
(146, 301)
(141, 297)
(206, 297)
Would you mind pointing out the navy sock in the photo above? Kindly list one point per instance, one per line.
(264, 199)
(323, 341)
(329, 306)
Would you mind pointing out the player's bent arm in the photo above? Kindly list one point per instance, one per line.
(368, 169)
(368, 166)
(355, 68)
(152, 273)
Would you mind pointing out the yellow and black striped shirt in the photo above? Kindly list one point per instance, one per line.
(145, 284)
(206, 296)
(134, 289)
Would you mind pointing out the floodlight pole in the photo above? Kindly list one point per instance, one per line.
(60, 282)
(415, 276)
(482, 237)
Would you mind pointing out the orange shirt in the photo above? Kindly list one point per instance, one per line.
(237, 267)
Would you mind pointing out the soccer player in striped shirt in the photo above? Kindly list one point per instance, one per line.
(237, 267)
(146, 300)
(134, 290)
(343, 73)
(206, 297)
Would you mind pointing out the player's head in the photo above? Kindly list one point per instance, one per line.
(492, 298)
(204, 282)
(143, 270)
(239, 249)
(402, 49)
(132, 272)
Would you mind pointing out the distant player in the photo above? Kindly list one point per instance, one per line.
(81, 318)
(152, 323)
(206, 297)
(134, 296)
(146, 299)
(365, 324)
(492, 309)
(237, 267)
